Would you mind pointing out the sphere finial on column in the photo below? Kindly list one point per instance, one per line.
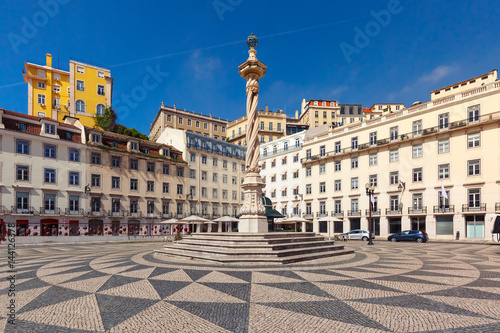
(252, 41)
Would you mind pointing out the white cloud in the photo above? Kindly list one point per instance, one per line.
(204, 67)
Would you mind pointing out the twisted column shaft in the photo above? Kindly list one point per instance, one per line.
(253, 152)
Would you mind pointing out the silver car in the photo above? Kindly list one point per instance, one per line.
(357, 234)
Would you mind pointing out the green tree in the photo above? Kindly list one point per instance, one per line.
(107, 121)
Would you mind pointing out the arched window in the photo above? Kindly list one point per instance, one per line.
(100, 109)
(285, 145)
(80, 106)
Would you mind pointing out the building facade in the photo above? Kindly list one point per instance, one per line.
(282, 173)
(272, 127)
(435, 166)
(42, 175)
(171, 117)
(215, 172)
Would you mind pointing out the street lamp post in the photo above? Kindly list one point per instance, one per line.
(370, 189)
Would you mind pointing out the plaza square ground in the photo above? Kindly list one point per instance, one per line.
(124, 287)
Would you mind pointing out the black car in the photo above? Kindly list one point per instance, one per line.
(409, 235)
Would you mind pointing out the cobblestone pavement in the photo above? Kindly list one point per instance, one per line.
(388, 287)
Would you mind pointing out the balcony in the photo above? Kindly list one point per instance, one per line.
(116, 213)
(75, 212)
(321, 214)
(339, 213)
(165, 215)
(417, 210)
(474, 208)
(446, 209)
(497, 207)
(308, 215)
(23, 211)
(50, 212)
(98, 212)
(134, 213)
(279, 151)
(389, 211)
(374, 212)
(354, 213)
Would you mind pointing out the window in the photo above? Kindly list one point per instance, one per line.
(180, 120)
(100, 90)
(23, 147)
(214, 177)
(134, 164)
(197, 124)
(203, 159)
(50, 175)
(417, 175)
(444, 146)
(316, 113)
(205, 125)
(278, 127)
(180, 189)
(224, 164)
(74, 203)
(41, 99)
(354, 163)
(473, 140)
(134, 184)
(192, 173)
(115, 183)
(215, 193)
(394, 177)
(373, 159)
(393, 133)
(262, 125)
(308, 189)
(134, 145)
(394, 203)
(322, 151)
(68, 135)
(338, 206)
(115, 205)
(134, 206)
(373, 138)
(394, 155)
(204, 175)
(100, 74)
(337, 147)
(417, 151)
(150, 166)
(150, 186)
(443, 120)
(354, 143)
(417, 201)
(115, 161)
(283, 160)
(273, 179)
(22, 172)
(338, 185)
(165, 169)
(444, 171)
(40, 85)
(308, 209)
(95, 180)
(308, 171)
(80, 70)
(296, 157)
(354, 205)
(100, 109)
(166, 187)
(338, 166)
(95, 138)
(189, 122)
(273, 163)
(74, 178)
(417, 127)
(354, 183)
(373, 180)
(80, 106)
(180, 172)
(95, 158)
(474, 197)
(50, 129)
(50, 151)
(224, 179)
(214, 161)
(22, 200)
(322, 169)
(473, 113)
(308, 154)
(80, 85)
(474, 167)
(296, 174)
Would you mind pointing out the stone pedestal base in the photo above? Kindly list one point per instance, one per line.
(252, 223)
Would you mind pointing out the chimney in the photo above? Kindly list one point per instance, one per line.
(48, 58)
(296, 114)
(267, 108)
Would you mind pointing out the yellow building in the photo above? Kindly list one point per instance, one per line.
(82, 92)
(272, 126)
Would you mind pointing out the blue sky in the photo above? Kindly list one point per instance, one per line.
(197, 47)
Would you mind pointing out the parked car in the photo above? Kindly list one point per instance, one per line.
(409, 235)
(357, 234)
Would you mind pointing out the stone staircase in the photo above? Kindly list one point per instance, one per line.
(275, 247)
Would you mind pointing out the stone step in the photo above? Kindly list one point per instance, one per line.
(236, 240)
(256, 260)
(272, 246)
(251, 252)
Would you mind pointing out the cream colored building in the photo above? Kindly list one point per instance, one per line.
(171, 117)
(282, 173)
(42, 175)
(133, 184)
(448, 144)
(272, 126)
(215, 172)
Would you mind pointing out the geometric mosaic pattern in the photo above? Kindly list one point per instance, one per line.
(389, 287)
